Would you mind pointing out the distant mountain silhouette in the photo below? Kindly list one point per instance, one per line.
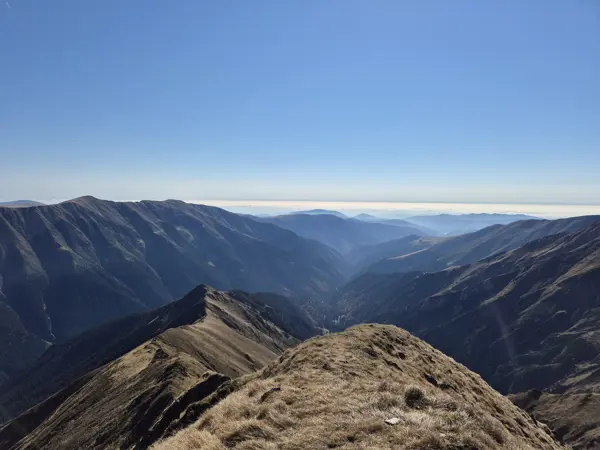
(455, 224)
(398, 222)
(20, 204)
(318, 212)
(343, 235)
(68, 267)
(366, 217)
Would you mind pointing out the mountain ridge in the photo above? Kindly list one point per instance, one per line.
(65, 268)
(371, 386)
(472, 247)
(456, 224)
(160, 366)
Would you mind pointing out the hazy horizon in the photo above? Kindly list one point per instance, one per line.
(379, 209)
(405, 209)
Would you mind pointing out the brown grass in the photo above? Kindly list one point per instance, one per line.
(337, 391)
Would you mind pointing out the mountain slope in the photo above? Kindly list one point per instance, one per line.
(337, 391)
(68, 267)
(18, 347)
(571, 407)
(531, 295)
(472, 247)
(341, 234)
(526, 319)
(365, 256)
(65, 362)
(159, 366)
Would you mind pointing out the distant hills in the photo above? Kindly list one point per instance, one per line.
(455, 224)
(318, 212)
(435, 225)
(68, 267)
(341, 234)
(20, 204)
(366, 217)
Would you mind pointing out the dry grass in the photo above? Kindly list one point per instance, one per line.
(337, 391)
(195, 439)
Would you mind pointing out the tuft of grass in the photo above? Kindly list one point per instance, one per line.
(414, 397)
(195, 439)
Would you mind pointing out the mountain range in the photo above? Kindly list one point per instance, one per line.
(438, 254)
(95, 352)
(319, 212)
(455, 224)
(435, 224)
(525, 319)
(68, 267)
(342, 234)
(211, 371)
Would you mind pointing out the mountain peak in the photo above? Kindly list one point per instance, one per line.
(319, 212)
(372, 386)
(84, 199)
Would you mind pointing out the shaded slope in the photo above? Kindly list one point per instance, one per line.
(365, 256)
(209, 337)
(341, 234)
(534, 308)
(527, 304)
(372, 295)
(337, 391)
(472, 247)
(66, 268)
(571, 407)
(18, 347)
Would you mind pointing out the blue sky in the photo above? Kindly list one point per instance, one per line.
(408, 101)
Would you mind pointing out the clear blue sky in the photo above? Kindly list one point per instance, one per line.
(434, 100)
